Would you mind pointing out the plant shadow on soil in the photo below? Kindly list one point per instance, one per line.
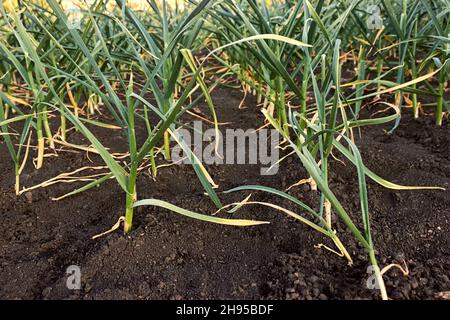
(168, 256)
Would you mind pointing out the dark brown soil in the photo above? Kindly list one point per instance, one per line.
(172, 257)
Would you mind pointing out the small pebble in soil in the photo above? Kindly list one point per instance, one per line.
(29, 197)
